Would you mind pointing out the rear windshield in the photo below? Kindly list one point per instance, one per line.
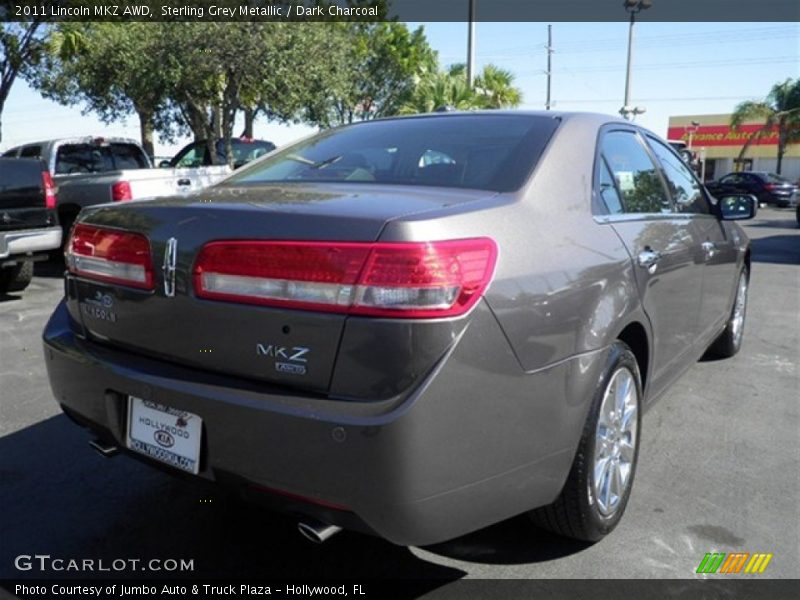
(487, 152)
(244, 152)
(773, 178)
(98, 158)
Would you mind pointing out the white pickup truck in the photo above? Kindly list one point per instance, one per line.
(93, 170)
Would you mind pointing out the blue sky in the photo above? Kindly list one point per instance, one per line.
(679, 68)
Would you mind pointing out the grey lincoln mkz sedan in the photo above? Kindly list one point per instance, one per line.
(412, 327)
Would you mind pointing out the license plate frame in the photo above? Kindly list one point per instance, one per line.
(165, 434)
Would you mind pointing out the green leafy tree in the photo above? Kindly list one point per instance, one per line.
(22, 46)
(779, 110)
(112, 69)
(373, 69)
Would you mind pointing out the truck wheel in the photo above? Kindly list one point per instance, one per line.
(16, 278)
(599, 483)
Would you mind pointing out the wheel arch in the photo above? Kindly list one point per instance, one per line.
(634, 334)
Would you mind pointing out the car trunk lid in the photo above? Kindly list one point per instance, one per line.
(275, 344)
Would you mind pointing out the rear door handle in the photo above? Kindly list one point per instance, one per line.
(184, 182)
(648, 259)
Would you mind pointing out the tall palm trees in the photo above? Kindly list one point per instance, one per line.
(779, 110)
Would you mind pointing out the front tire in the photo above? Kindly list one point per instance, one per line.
(729, 341)
(599, 484)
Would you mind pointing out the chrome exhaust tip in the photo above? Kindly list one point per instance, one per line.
(317, 531)
(104, 449)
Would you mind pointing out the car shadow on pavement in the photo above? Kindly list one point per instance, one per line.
(512, 542)
(11, 297)
(779, 249)
(60, 498)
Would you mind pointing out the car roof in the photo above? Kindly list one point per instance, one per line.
(84, 139)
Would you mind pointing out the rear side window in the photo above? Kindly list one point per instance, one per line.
(635, 173)
(31, 152)
(684, 188)
(489, 152)
(98, 158)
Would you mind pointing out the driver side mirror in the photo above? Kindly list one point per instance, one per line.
(737, 207)
(163, 164)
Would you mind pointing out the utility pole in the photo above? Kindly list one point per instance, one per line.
(547, 103)
(632, 7)
(471, 45)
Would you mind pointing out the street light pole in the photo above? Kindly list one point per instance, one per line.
(471, 45)
(633, 7)
(549, 64)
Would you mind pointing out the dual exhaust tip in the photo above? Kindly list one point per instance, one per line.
(311, 529)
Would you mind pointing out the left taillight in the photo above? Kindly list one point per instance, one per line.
(49, 190)
(121, 191)
(401, 280)
(110, 255)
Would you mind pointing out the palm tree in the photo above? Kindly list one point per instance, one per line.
(497, 87)
(493, 89)
(441, 89)
(780, 109)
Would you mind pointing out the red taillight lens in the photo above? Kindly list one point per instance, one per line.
(49, 190)
(110, 255)
(770, 186)
(407, 280)
(121, 191)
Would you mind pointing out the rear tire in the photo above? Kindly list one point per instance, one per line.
(16, 278)
(729, 341)
(599, 483)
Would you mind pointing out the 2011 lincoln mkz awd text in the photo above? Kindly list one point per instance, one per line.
(413, 327)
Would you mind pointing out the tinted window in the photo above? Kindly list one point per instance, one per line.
(98, 158)
(491, 152)
(635, 173)
(191, 156)
(684, 188)
(733, 178)
(773, 178)
(31, 152)
(244, 152)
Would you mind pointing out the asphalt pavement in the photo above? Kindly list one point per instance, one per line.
(719, 471)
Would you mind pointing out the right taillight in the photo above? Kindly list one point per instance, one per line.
(49, 190)
(110, 255)
(121, 191)
(402, 280)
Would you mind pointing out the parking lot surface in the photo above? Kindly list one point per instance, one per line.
(718, 472)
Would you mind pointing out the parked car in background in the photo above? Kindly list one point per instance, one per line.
(196, 154)
(96, 170)
(769, 188)
(414, 327)
(28, 222)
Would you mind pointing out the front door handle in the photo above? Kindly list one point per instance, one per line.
(184, 182)
(648, 259)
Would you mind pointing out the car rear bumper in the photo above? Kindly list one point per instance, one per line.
(28, 241)
(474, 444)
